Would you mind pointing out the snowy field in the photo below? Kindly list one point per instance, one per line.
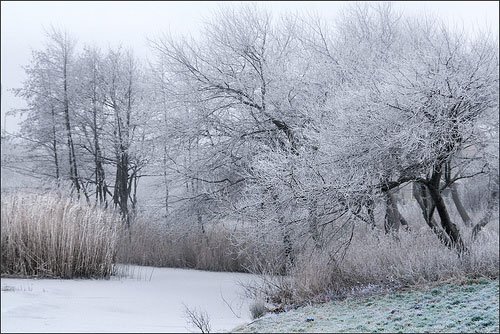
(145, 300)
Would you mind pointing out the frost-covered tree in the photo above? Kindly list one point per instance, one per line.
(412, 113)
(247, 90)
(92, 119)
(297, 127)
(49, 90)
(126, 132)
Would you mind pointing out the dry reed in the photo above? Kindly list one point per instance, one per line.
(49, 235)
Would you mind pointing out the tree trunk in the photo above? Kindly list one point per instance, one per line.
(73, 171)
(289, 257)
(123, 180)
(458, 204)
(121, 191)
(165, 180)
(54, 143)
(427, 206)
(98, 163)
(492, 203)
(288, 247)
(132, 192)
(200, 221)
(448, 226)
(370, 210)
(313, 224)
(98, 169)
(120, 195)
(393, 218)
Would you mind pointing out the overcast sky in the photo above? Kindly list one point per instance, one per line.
(131, 22)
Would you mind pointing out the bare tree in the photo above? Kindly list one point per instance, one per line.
(197, 318)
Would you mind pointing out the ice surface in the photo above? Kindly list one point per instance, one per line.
(147, 300)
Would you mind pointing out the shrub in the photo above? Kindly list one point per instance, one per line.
(258, 309)
(50, 235)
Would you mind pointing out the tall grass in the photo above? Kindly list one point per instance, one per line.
(50, 235)
(377, 261)
(182, 246)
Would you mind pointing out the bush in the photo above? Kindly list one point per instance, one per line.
(258, 309)
(49, 235)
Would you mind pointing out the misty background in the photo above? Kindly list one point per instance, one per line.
(131, 23)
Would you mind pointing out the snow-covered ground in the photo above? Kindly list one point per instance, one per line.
(147, 300)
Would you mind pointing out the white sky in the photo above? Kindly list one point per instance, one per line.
(131, 22)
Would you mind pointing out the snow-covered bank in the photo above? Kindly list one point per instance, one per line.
(148, 300)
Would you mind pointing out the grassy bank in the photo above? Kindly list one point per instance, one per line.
(465, 306)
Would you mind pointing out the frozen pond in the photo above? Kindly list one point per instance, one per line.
(146, 300)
